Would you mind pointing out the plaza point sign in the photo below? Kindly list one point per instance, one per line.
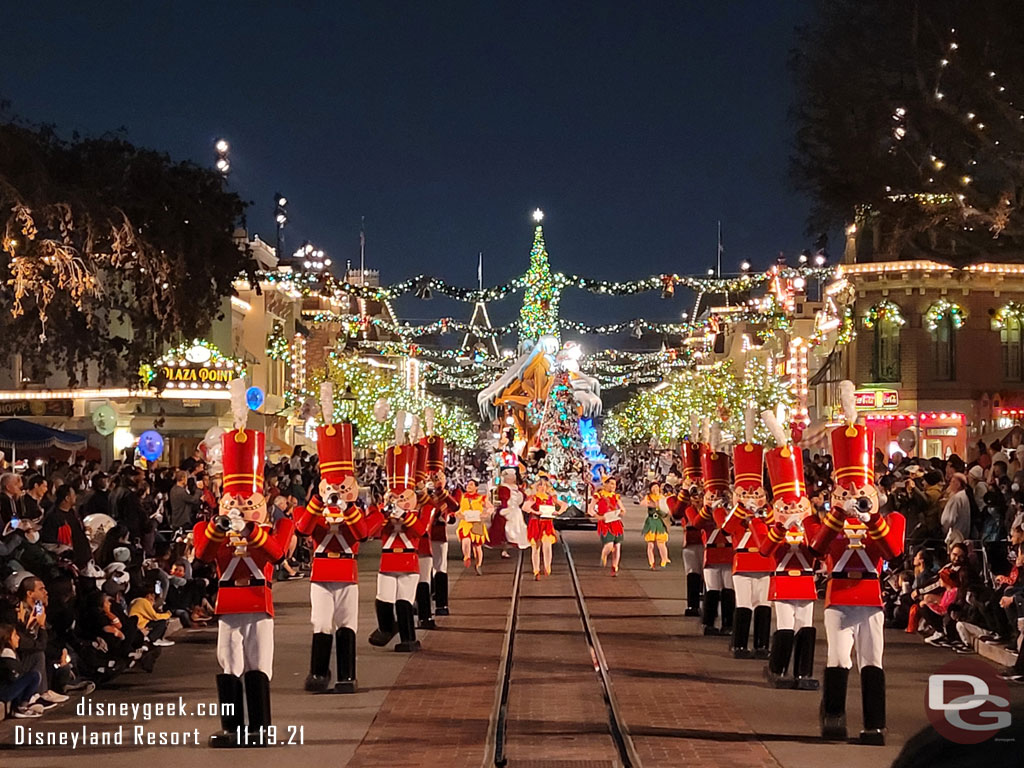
(197, 365)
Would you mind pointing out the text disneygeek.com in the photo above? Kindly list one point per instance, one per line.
(136, 734)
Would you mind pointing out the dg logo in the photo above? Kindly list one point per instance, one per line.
(967, 702)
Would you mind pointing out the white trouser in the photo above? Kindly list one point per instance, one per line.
(751, 591)
(439, 553)
(392, 587)
(693, 558)
(718, 577)
(854, 627)
(245, 641)
(335, 605)
(793, 614)
(426, 568)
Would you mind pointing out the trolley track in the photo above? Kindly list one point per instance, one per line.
(554, 689)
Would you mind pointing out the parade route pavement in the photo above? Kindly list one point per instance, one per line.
(683, 697)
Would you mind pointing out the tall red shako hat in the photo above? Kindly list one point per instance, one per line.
(421, 460)
(244, 449)
(853, 445)
(715, 466)
(435, 453)
(785, 464)
(333, 441)
(748, 457)
(690, 453)
(400, 463)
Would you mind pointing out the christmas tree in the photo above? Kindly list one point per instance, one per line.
(559, 436)
(539, 314)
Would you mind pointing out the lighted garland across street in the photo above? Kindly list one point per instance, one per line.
(1009, 311)
(943, 308)
(884, 309)
(665, 413)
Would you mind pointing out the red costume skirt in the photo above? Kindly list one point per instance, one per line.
(538, 530)
(610, 533)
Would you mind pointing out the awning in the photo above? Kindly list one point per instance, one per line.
(21, 435)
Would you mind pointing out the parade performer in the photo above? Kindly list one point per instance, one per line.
(400, 532)
(507, 525)
(445, 504)
(655, 526)
(751, 570)
(474, 508)
(543, 507)
(855, 541)
(606, 506)
(718, 549)
(691, 500)
(792, 590)
(245, 549)
(336, 524)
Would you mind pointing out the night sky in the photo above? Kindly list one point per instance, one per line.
(635, 126)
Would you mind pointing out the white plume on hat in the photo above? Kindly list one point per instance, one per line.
(239, 408)
(694, 428)
(715, 437)
(415, 431)
(848, 400)
(400, 428)
(705, 430)
(749, 424)
(428, 419)
(775, 428)
(327, 401)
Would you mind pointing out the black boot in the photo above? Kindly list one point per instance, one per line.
(833, 703)
(345, 647)
(741, 634)
(406, 628)
(441, 593)
(711, 598)
(692, 594)
(230, 699)
(778, 659)
(872, 691)
(319, 663)
(803, 659)
(762, 630)
(385, 630)
(423, 606)
(728, 609)
(257, 700)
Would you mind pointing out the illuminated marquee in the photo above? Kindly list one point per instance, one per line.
(196, 365)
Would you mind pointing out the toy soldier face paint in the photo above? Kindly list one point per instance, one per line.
(843, 494)
(252, 508)
(752, 499)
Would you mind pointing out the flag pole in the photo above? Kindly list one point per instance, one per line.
(480, 271)
(362, 250)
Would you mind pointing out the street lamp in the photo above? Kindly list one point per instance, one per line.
(803, 258)
(220, 148)
(347, 404)
(281, 217)
(745, 266)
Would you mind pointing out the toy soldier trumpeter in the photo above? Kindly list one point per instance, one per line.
(792, 589)
(855, 541)
(751, 570)
(718, 551)
(245, 549)
(400, 528)
(336, 524)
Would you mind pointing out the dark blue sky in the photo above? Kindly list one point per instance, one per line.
(635, 126)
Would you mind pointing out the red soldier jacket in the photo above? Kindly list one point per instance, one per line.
(693, 535)
(336, 542)
(245, 566)
(792, 561)
(708, 522)
(400, 539)
(854, 553)
(746, 531)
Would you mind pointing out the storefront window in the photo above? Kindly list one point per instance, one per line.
(886, 363)
(944, 345)
(1010, 337)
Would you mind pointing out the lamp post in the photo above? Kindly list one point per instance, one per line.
(222, 163)
(281, 217)
(347, 404)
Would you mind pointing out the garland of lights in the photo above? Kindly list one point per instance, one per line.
(941, 309)
(278, 347)
(886, 310)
